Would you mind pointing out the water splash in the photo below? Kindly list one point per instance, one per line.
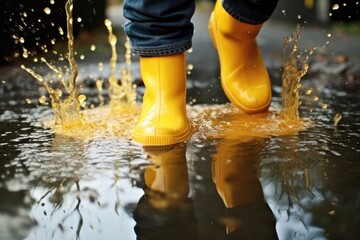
(67, 112)
(295, 68)
(210, 122)
(70, 109)
(125, 92)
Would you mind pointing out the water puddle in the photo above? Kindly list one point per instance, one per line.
(70, 171)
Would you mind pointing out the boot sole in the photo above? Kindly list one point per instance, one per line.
(162, 140)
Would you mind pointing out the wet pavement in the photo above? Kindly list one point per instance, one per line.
(303, 185)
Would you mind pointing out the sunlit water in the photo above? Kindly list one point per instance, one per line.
(263, 176)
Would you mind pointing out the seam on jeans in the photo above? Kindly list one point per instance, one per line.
(162, 51)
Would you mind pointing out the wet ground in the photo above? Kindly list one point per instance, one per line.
(303, 185)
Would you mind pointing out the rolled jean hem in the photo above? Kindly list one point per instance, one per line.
(162, 51)
(235, 14)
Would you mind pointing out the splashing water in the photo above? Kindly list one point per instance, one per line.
(126, 91)
(210, 122)
(295, 68)
(67, 112)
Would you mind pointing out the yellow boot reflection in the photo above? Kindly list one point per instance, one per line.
(168, 181)
(234, 174)
(165, 211)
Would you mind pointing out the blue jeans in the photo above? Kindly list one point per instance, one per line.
(163, 27)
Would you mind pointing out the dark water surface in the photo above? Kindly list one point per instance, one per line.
(300, 186)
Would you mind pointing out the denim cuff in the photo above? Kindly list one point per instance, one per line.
(161, 51)
(251, 12)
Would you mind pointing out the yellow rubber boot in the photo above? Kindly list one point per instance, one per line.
(163, 116)
(244, 77)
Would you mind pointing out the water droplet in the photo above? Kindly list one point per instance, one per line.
(25, 53)
(22, 40)
(42, 100)
(190, 50)
(112, 40)
(299, 16)
(28, 101)
(82, 100)
(101, 66)
(190, 66)
(52, 1)
(58, 92)
(61, 31)
(329, 35)
(198, 177)
(47, 10)
(82, 57)
(79, 19)
(324, 105)
(107, 23)
(309, 91)
(93, 47)
(337, 119)
(283, 11)
(335, 7)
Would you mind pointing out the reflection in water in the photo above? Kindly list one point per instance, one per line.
(80, 189)
(15, 222)
(165, 211)
(89, 188)
(294, 188)
(234, 173)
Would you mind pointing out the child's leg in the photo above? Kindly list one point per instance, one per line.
(234, 26)
(250, 11)
(160, 31)
(158, 27)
